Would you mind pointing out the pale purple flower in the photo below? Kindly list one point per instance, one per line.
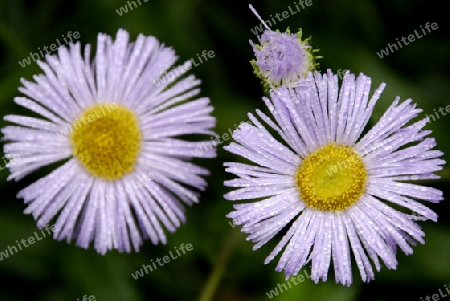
(334, 191)
(125, 175)
(282, 58)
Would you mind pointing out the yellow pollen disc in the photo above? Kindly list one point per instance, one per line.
(332, 178)
(106, 139)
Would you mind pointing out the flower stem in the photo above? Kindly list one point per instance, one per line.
(222, 260)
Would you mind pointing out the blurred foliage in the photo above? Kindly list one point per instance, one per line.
(348, 34)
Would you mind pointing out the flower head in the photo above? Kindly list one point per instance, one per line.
(125, 173)
(282, 58)
(337, 192)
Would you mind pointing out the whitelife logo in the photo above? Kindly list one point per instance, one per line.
(411, 38)
(53, 47)
(11, 250)
(77, 123)
(166, 259)
(281, 16)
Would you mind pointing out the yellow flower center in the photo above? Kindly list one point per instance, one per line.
(332, 178)
(106, 139)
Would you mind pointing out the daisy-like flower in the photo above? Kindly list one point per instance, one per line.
(113, 128)
(333, 192)
(282, 58)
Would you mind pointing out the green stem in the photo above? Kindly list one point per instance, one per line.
(216, 275)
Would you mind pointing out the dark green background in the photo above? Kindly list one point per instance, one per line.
(348, 34)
